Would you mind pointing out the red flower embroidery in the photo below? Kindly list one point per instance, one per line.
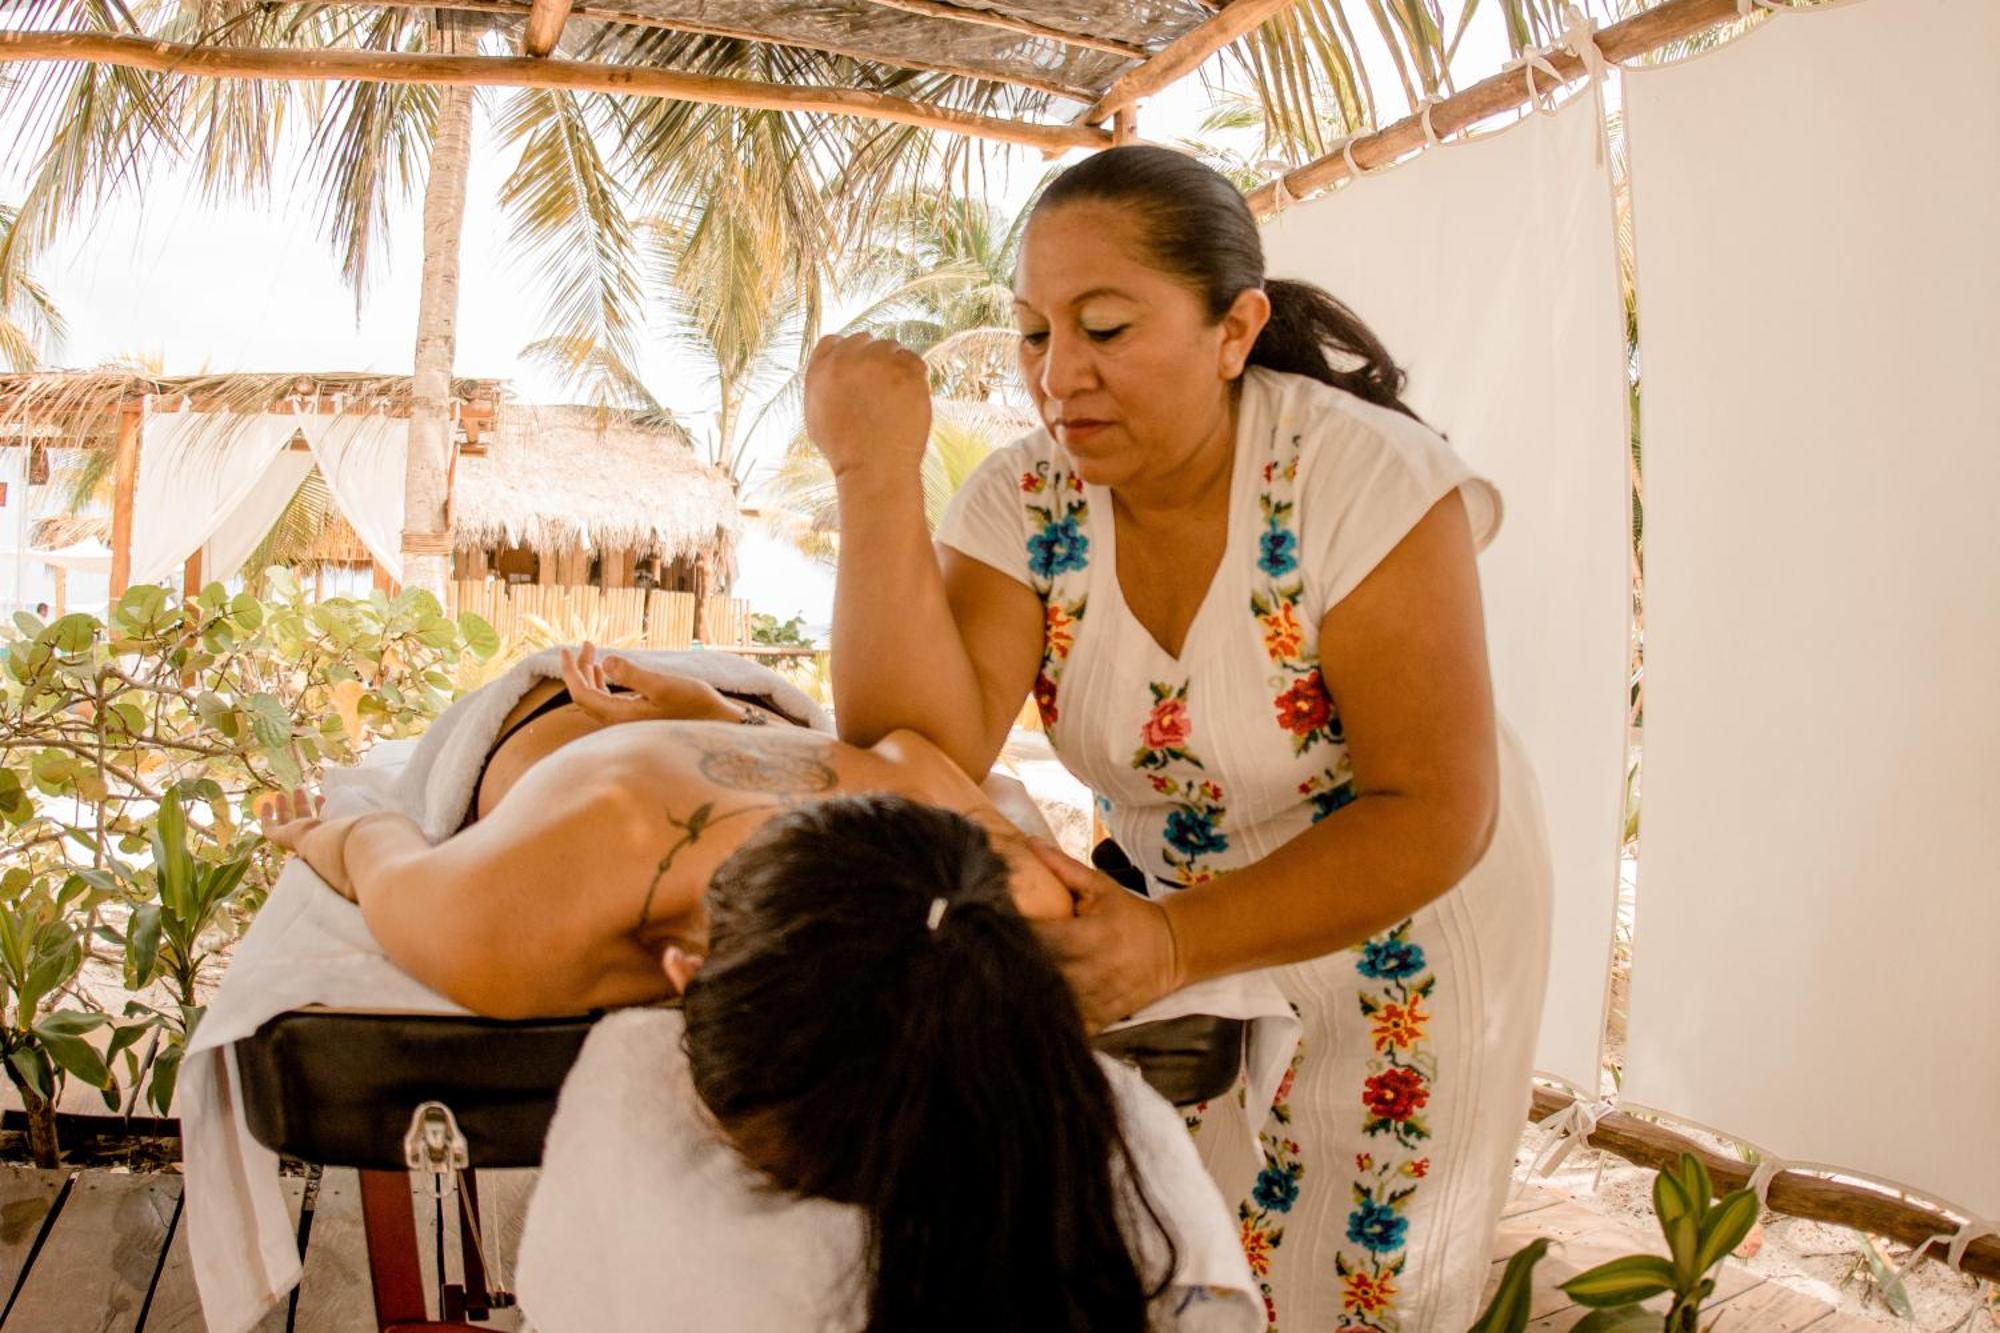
(1168, 727)
(1395, 1094)
(1162, 784)
(1399, 1026)
(1305, 708)
(1367, 1293)
(1419, 1168)
(1032, 483)
(1045, 699)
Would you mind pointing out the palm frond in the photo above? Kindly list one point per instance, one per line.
(570, 219)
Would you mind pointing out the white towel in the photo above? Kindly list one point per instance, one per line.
(309, 946)
(1255, 998)
(646, 1221)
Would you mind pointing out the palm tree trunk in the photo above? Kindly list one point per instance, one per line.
(426, 476)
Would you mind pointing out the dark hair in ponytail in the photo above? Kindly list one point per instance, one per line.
(938, 1079)
(1200, 231)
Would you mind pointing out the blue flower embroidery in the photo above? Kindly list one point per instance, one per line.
(1276, 1190)
(1058, 547)
(1390, 958)
(1278, 550)
(1376, 1226)
(1193, 833)
(1326, 802)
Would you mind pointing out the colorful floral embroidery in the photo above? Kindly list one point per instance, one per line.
(1276, 1192)
(1303, 708)
(1330, 790)
(1394, 1094)
(1194, 826)
(1058, 545)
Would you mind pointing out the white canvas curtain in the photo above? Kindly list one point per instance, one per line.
(216, 487)
(193, 473)
(245, 527)
(1819, 307)
(1489, 269)
(361, 455)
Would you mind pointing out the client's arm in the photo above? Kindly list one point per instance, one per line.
(522, 915)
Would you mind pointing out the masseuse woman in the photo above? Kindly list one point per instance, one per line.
(1237, 576)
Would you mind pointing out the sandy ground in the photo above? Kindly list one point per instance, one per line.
(1821, 1261)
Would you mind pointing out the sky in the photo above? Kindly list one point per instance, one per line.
(161, 275)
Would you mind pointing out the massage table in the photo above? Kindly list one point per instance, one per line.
(444, 1095)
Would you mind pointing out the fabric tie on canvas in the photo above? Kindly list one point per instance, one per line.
(1565, 1130)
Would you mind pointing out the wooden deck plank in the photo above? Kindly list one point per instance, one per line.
(26, 1195)
(1772, 1308)
(334, 1295)
(176, 1306)
(102, 1252)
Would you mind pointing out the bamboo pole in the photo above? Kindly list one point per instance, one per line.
(524, 72)
(703, 27)
(1181, 56)
(1794, 1193)
(124, 482)
(1503, 92)
(987, 18)
(545, 26)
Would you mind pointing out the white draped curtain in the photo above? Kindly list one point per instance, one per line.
(1819, 310)
(195, 470)
(1490, 270)
(361, 455)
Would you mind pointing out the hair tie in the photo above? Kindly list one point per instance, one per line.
(938, 906)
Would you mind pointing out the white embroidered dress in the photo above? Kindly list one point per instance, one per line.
(1385, 1158)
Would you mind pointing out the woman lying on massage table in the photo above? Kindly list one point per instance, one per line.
(874, 1022)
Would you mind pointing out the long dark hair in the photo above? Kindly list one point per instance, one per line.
(936, 1078)
(1199, 230)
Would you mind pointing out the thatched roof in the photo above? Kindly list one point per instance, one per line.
(80, 408)
(554, 477)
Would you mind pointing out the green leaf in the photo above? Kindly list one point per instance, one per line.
(142, 950)
(1684, 1243)
(1508, 1310)
(32, 1071)
(1619, 1319)
(1725, 1227)
(166, 1072)
(78, 1057)
(1694, 1179)
(29, 624)
(1621, 1281)
(170, 854)
(16, 806)
(481, 639)
(69, 1023)
(269, 721)
(72, 634)
(246, 611)
(1670, 1200)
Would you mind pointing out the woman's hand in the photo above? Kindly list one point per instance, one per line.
(868, 404)
(1118, 951)
(651, 695)
(292, 820)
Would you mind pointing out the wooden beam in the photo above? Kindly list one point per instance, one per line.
(191, 583)
(545, 26)
(706, 28)
(1498, 95)
(523, 72)
(1794, 1193)
(124, 483)
(987, 18)
(1182, 56)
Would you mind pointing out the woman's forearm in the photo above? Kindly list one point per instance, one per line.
(1354, 875)
(898, 657)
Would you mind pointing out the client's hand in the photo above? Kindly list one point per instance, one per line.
(292, 820)
(1118, 951)
(650, 695)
